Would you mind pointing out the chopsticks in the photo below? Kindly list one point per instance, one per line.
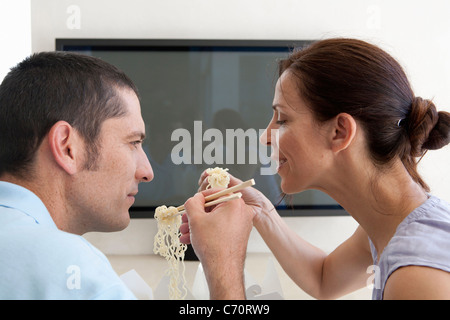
(212, 203)
(221, 193)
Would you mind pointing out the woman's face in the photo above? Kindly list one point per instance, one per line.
(299, 143)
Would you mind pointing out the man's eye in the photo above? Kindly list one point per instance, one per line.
(136, 143)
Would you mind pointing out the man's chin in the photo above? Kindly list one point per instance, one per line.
(122, 223)
(117, 224)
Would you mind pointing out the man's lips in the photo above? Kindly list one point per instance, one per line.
(131, 198)
(132, 194)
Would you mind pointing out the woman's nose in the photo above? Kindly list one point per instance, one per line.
(265, 138)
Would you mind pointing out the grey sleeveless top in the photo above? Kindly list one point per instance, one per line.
(421, 239)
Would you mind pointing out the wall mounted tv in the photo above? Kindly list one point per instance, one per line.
(195, 86)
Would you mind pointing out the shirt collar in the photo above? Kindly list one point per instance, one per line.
(22, 199)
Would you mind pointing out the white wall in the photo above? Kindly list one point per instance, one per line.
(416, 32)
(15, 33)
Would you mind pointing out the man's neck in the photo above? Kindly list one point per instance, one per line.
(50, 193)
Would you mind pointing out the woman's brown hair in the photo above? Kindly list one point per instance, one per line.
(352, 76)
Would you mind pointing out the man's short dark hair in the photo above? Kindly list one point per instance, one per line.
(48, 87)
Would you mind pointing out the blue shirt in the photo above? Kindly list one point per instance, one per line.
(39, 261)
(421, 239)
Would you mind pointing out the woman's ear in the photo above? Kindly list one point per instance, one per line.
(343, 132)
(64, 144)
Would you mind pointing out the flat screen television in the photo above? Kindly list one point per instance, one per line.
(204, 103)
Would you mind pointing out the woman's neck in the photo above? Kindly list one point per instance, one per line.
(378, 199)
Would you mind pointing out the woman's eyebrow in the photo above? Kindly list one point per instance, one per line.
(277, 106)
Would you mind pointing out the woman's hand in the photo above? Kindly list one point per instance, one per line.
(255, 199)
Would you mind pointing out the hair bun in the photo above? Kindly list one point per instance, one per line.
(428, 129)
(439, 136)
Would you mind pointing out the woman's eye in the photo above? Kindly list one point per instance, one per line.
(280, 122)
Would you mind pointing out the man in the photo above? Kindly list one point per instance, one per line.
(71, 159)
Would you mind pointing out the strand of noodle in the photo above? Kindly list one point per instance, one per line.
(167, 244)
(217, 177)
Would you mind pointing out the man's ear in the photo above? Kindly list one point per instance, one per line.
(343, 132)
(64, 145)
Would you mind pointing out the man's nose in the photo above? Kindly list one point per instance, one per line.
(144, 172)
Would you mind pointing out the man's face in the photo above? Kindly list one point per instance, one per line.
(101, 198)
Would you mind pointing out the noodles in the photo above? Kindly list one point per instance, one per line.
(168, 245)
(167, 239)
(217, 177)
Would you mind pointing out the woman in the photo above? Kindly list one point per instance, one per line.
(349, 125)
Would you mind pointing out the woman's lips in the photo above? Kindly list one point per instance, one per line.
(281, 162)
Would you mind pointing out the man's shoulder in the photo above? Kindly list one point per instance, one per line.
(41, 239)
(42, 262)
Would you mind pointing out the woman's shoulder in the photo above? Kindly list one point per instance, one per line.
(418, 283)
(417, 251)
(423, 237)
(431, 220)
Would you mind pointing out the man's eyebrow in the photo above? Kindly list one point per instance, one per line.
(136, 134)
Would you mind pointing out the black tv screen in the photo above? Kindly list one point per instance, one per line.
(205, 103)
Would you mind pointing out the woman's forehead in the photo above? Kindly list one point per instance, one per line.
(287, 94)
